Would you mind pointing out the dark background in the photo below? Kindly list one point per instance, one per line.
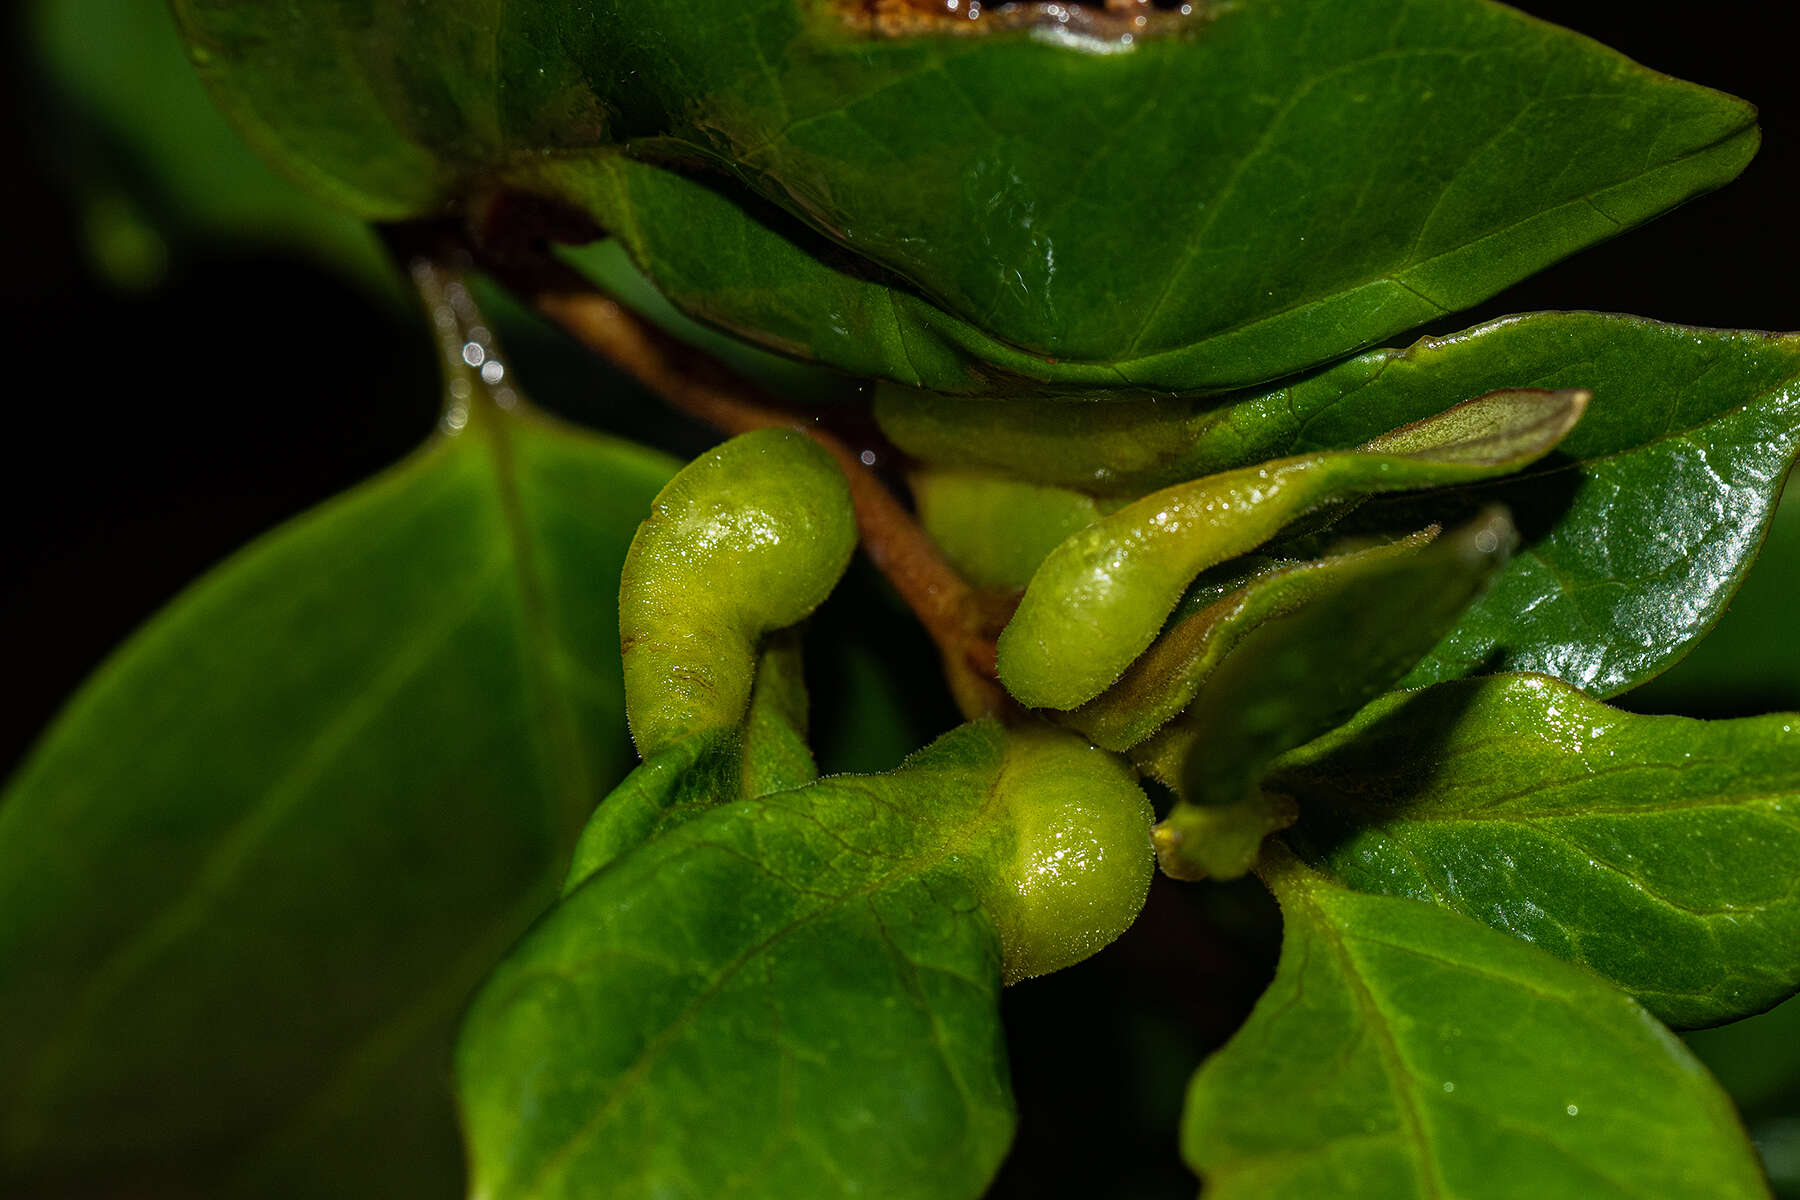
(149, 435)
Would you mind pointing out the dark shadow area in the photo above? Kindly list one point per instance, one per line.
(1101, 1053)
(873, 677)
(1336, 804)
(152, 436)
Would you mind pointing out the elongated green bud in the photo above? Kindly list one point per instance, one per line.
(1101, 596)
(748, 538)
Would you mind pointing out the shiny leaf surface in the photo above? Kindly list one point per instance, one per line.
(250, 877)
(1660, 852)
(1297, 675)
(1641, 528)
(1637, 532)
(1407, 1051)
(798, 995)
(1355, 173)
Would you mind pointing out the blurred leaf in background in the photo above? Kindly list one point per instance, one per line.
(155, 166)
(250, 876)
(1758, 1061)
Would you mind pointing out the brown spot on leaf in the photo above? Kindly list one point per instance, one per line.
(1121, 20)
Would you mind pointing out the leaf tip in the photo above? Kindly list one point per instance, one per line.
(1500, 430)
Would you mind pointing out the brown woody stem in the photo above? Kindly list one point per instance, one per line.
(694, 383)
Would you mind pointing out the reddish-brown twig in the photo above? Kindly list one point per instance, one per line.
(694, 383)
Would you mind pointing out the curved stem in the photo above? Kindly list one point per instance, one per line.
(694, 383)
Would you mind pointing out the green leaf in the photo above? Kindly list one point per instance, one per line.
(1406, 1051)
(608, 266)
(1642, 527)
(1159, 685)
(798, 995)
(1637, 533)
(1102, 595)
(683, 779)
(1355, 174)
(1747, 664)
(775, 753)
(1659, 852)
(252, 874)
(1297, 675)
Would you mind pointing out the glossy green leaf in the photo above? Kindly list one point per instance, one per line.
(1101, 596)
(1660, 852)
(1747, 664)
(252, 874)
(1291, 678)
(1354, 174)
(1407, 1051)
(1645, 522)
(1638, 531)
(798, 995)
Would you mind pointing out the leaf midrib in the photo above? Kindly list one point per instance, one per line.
(1406, 1100)
(571, 771)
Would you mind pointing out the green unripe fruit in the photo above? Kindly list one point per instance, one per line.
(747, 539)
(1070, 871)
